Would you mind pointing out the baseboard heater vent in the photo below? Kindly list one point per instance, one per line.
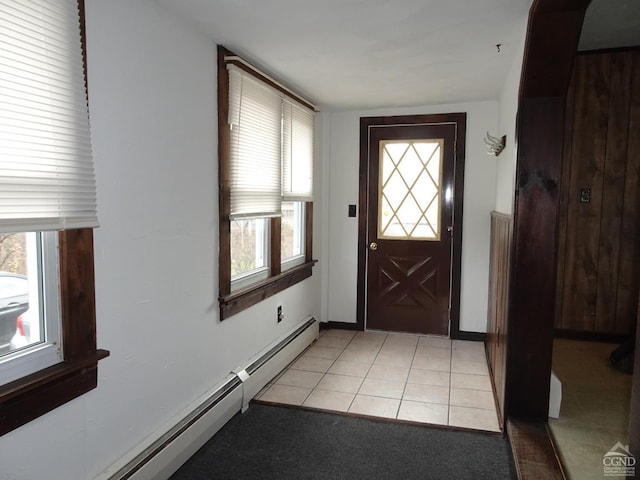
(267, 365)
(182, 438)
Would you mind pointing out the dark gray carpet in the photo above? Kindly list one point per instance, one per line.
(270, 442)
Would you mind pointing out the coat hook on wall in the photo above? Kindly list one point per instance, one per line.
(495, 145)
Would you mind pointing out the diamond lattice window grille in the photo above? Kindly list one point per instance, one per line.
(410, 189)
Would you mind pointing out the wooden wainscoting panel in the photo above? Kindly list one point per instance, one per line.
(499, 268)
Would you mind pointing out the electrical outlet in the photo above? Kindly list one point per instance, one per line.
(280, 314)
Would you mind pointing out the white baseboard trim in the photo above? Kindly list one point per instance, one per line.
(159, 457)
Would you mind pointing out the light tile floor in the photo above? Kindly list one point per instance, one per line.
(416, 378)
(594, 413)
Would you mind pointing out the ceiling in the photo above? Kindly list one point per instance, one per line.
(359, 54)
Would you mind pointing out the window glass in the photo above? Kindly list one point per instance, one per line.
(409, 190)
(249, 248)
(267, 164)
(29, 319)
(292, 234)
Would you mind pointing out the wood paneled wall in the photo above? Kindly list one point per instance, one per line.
(634, 415)
(599, 216)
(499, 268)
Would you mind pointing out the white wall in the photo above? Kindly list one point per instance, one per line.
(152, 83)
(479, 199)
(506, 161)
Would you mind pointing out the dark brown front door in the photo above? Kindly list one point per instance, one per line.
(410, 226)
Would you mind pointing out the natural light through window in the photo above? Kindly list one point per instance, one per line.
(29, 319)
(249, 250)
(292, 236)
(410, 184)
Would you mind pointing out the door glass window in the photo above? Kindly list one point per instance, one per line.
(410, 189)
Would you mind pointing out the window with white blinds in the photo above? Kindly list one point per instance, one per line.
(297, 153)
(46, 167)
(271, 157)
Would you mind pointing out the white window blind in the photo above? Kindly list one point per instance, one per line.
(271, 148)
(255, 118)
(46, 168)
(297, 160)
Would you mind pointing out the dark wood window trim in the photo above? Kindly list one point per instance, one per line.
(234, 302)
(32, 396)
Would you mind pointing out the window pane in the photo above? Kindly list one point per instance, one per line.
(20, 319)
(249, 244)
(29, 304)
(292, 236)
(409, 189)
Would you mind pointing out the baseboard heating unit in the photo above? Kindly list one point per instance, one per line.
(184, 435)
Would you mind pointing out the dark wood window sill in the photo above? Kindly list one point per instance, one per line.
(243, 299)
(34, 395)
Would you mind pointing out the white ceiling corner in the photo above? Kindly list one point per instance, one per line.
(360, 54)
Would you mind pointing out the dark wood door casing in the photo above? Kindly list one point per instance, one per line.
(366, 125)
(409, 280)
(552, 40)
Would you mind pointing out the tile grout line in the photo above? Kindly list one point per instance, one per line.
(370, 364)
(355, 394)
(329, 368)
(368, 371)
(406, 380)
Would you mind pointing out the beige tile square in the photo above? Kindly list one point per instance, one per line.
(429, 377)
(438, 342)
(312, 364)
(394, 359)
(275, 379)
(375, 406)
(467, 355)
(473, 382)
(328, 400)
(472, 398)
(333, 332)
(318, 351)
(471, 368)
(468, 345)
(475, 418)
(367, 356)
(263, 390)
(428, 363)
(399, 350)
(340, 383)
(424, 412)
(367, 348)
(402, 340)
(332, 341)
(286, 394)
(381, 388)
(433, 352)
(353, 369)
(370, 337)
(426, 393)
(299, 378)
(384, 372)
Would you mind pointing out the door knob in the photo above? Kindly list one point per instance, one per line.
(373, 246)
